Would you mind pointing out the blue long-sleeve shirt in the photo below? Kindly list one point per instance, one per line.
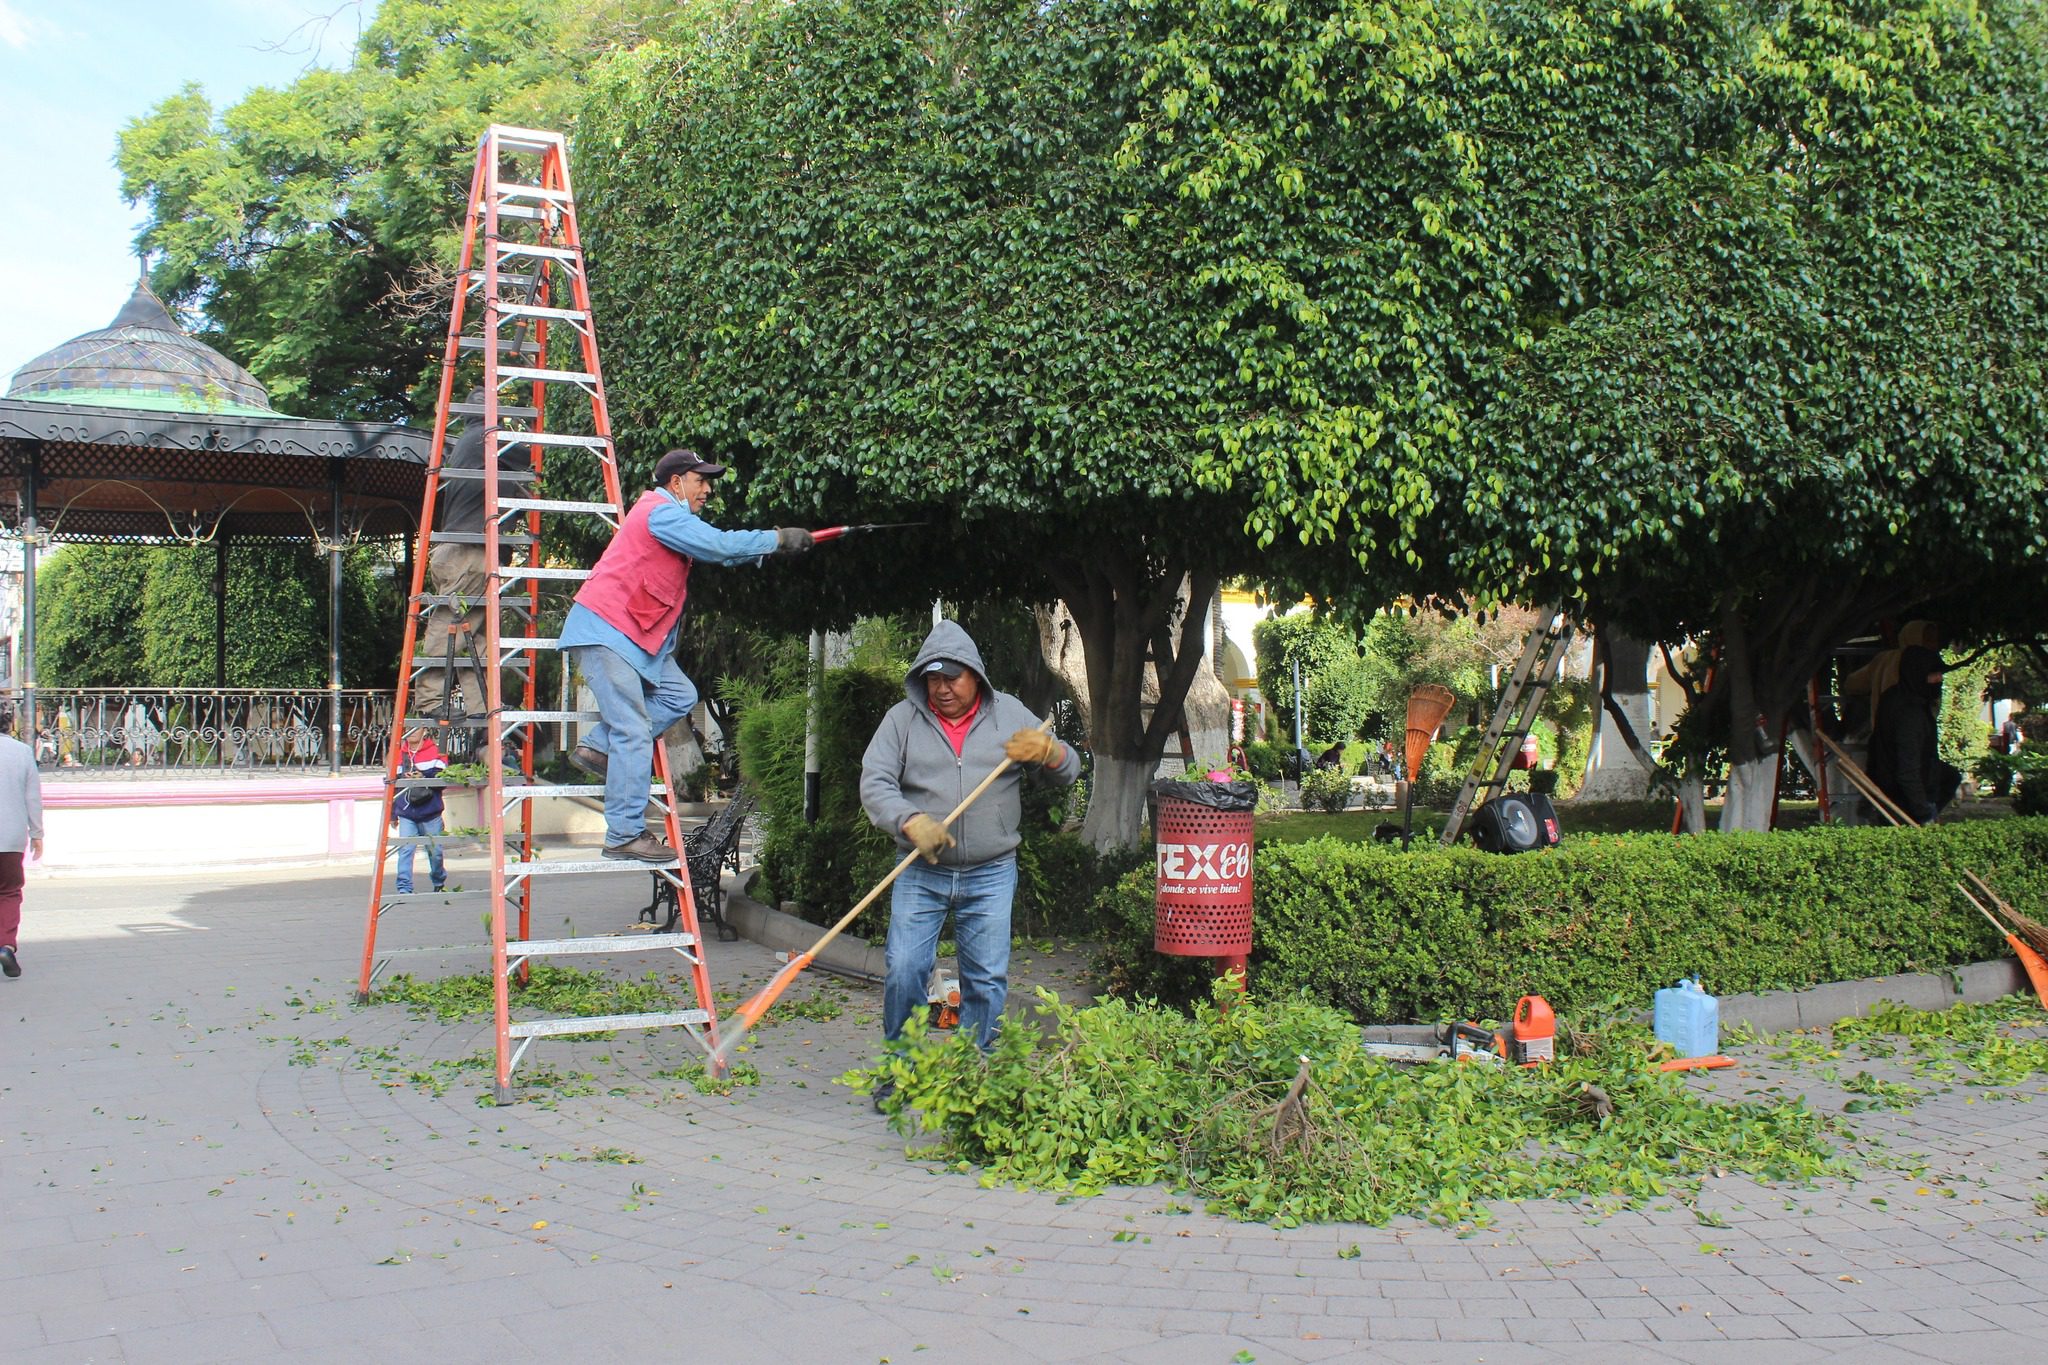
(676, 526)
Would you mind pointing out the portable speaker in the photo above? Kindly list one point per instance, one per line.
(1515, 822)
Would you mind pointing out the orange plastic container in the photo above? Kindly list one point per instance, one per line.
(1535, 1031)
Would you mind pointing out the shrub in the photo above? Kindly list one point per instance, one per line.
(1341, 700)
(1386, 935)
(1266, 759)
(1326, 789)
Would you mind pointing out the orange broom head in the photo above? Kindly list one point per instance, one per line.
(2036, 966)
(1427, 707)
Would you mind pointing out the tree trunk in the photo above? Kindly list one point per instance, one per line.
(1141, 624)
(1116, 802)
(1612, 772)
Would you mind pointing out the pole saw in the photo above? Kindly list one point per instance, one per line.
(839, 532)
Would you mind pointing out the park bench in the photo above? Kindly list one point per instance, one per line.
(707, 851)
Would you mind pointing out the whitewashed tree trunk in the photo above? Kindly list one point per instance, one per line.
(1613, 774)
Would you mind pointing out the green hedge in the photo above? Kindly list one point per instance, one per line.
(1388, 936)
(825, 867)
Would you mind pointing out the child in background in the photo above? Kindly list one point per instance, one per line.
(417, 809)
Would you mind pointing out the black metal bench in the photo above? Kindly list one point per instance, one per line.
(707, 851)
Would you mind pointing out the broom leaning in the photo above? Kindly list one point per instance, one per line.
(2028, 938)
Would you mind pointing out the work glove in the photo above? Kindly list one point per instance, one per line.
(1031, 746)
(928, 834)
(792, 540)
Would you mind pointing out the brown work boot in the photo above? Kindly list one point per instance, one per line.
(645, 849)
(592, 761)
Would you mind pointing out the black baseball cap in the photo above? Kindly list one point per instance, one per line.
(949, 667)
(683, 462)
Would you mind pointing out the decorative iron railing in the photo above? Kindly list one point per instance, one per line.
(184, 730)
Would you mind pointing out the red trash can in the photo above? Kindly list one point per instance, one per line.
(1202, 836)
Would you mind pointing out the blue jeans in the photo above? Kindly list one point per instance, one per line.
(411, 829)
(979, 898)
(635, 713)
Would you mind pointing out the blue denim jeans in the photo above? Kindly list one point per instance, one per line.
(411, 829)
(979, 899)
(635, 713)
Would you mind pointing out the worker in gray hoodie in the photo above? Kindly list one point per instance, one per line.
(935, 746)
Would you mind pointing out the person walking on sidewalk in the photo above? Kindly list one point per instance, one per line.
(934, 747)
(622, 631)
(21, 827)
(417, 810)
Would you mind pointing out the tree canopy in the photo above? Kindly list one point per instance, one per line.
(1712, 316)
(316, 228)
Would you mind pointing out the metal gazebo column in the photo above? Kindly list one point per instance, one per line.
(220, 609)
(25, 727)
(334, 619)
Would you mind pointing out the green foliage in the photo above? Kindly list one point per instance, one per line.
(554, 991)
(1326, 789)
(1318, 646)
(1965, 733)
(1423, 935)
(88, 604)
(1266, 759)
(128, 616)
(1341, 701)
(1626, 304)
(1121, 1094)
(317, 223)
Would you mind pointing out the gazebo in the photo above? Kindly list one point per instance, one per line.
(138, 433)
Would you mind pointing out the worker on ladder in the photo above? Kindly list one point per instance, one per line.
(452, 636)
(621, 633)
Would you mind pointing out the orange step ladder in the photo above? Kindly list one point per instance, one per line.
(522, 276)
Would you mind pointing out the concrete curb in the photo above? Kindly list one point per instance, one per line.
(784, 932)
(1820, 1006)
(1766, 1012)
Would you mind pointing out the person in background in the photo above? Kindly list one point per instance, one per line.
(1905, 757)
(458, 571)
(21, 828)
(934, 747)
(417, 808)
(622, 631)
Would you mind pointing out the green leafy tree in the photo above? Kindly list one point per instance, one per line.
(143, 616)
(1319, 646)
(885, 256)
(1715, 316)
(277, 619)
(318, 226)
(88, 605)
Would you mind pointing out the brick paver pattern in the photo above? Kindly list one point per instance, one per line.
(209, 1153)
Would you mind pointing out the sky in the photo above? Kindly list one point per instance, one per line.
(72, 72)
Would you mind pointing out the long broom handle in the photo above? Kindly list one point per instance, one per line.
(750, 1013)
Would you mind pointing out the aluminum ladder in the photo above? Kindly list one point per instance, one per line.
(1536, 672)
(522, 273)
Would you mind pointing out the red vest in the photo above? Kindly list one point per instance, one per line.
(639, 584)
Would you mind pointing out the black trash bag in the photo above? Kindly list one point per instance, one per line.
(1238, 796)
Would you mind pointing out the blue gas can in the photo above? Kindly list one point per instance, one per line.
(1689, 1019)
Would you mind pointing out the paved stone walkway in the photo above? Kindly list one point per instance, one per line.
(207, 1153)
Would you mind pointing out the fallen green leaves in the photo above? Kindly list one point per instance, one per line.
(1122, 1094)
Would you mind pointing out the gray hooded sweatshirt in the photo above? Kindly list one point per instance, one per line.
(910, 765)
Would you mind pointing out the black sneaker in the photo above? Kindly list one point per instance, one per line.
(883, 1092)
(9, 966)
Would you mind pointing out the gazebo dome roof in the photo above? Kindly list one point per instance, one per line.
(142, 359)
